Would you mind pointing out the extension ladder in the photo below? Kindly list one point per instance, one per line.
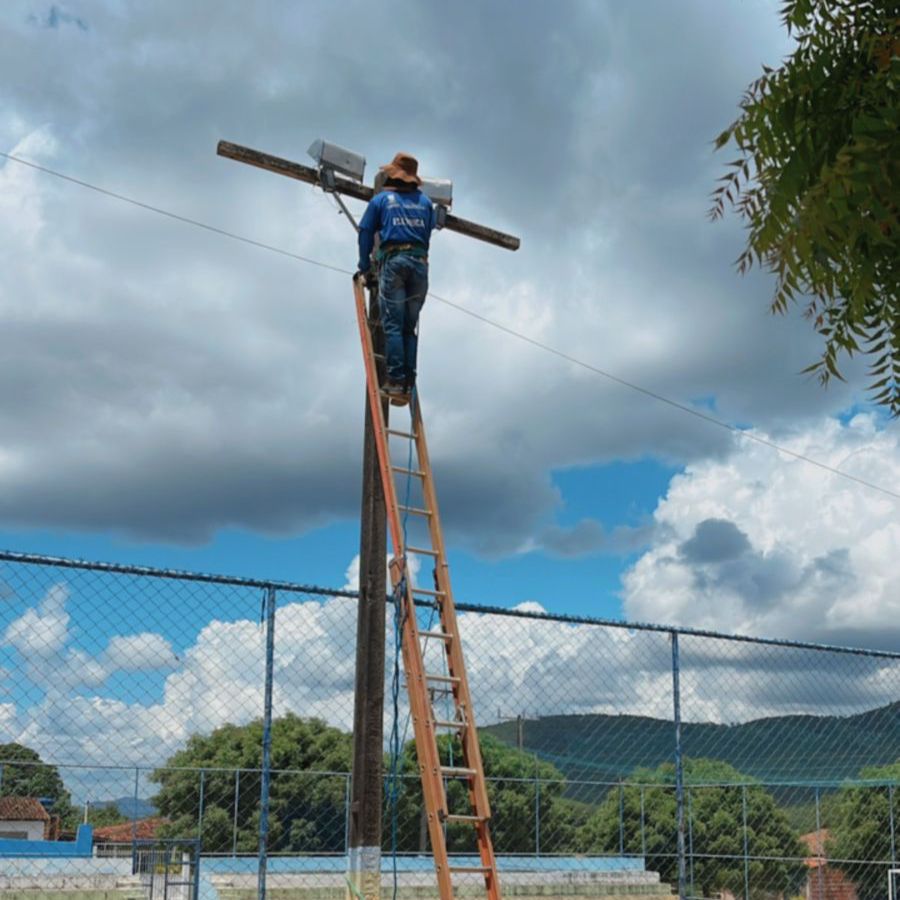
(424, 686)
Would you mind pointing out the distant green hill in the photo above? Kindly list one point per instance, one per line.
(130, 807)
(797, 749)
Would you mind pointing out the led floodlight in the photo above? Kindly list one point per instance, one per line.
(438, 190)
(337, 159)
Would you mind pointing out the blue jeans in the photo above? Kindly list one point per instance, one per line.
(402, 287)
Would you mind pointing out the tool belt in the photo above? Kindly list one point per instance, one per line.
(392, 248)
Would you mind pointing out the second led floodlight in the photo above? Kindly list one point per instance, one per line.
(437, 190)
(338, 159)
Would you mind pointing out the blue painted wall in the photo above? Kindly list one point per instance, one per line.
(81, 846)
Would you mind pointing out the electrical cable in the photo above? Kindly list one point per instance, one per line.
(561, 354)
(712, 420)
(176, 216)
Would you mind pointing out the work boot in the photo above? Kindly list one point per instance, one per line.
(395, 392)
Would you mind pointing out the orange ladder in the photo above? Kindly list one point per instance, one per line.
(424, 685)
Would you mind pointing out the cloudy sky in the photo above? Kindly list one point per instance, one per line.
(177, 398)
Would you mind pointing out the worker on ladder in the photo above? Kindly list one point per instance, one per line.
(403, 217)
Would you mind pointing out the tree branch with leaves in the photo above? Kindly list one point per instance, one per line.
(817, 182)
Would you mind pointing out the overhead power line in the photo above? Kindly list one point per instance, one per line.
(560, 354)
(712, 420)
(171, 215)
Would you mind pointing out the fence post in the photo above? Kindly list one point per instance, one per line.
(237, 803)
(346, 814)
(621, 818)
(891, 819)
(643, 833)
(679, 765)
(265, 780)
(820, 849)
(746, 844)
(537, 815)
(690, 826)
(200, 805)
(134, 809)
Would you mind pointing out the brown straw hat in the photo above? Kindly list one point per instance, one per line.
(404, 168)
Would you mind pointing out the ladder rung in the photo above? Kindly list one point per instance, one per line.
(431, 604)
(403, 434)
(439, 635)
(434, 690)
(458, 772)
(479, 869)
(447, 679)
(402, 470)
(474, 819)
(414, 510)
(418, 590)
(422, 551)
(444, 723)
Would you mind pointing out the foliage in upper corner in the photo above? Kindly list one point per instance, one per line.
(817, 181)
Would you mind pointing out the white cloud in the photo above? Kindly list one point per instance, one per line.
(75, 669)
(139, 652)
(7, 717)
(43, 638)
(764, 544)
(21, 199)
(41, 631)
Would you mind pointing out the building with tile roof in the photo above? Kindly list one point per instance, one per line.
(24, 818)
(126, 832)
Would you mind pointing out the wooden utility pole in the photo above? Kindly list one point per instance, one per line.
(367, 785)
(367, 781)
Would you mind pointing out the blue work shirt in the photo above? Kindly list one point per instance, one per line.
(405, 217)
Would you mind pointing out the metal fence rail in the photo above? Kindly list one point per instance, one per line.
(164, 705)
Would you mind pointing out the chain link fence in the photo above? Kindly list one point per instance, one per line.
(214, 715)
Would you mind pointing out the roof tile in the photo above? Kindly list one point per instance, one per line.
(22, 809)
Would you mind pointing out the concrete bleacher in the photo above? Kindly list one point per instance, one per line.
(323, 878)
(72, 878)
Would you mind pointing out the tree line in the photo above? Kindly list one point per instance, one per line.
(636, 817)
(728, 812)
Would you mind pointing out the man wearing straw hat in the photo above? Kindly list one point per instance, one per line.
(403, 217)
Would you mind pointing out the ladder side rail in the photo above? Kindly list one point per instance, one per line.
(381, 440)
(426, 751)
(423, 727)
(477, 787)
(455, 661)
